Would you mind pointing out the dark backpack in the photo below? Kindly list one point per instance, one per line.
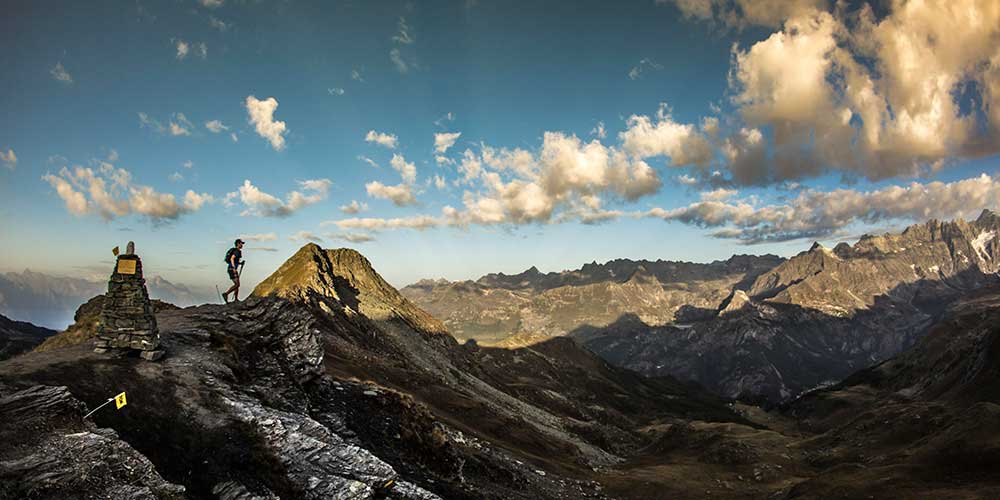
(229, 256)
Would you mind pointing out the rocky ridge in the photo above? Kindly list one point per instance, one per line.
(512, 310)
(298, 393)
(819, 316)
(20, 336)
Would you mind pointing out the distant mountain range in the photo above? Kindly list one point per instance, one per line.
(51, 301)
(755, 327)
(516, 310)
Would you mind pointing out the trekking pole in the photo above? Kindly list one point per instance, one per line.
(240, 272)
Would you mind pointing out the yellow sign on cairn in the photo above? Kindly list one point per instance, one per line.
(120, 400)
(126, 266)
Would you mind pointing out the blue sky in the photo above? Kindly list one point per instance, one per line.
(80, 76)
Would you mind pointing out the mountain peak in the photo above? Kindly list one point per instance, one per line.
(347, 277)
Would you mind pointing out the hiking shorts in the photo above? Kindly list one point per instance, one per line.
(233, 273)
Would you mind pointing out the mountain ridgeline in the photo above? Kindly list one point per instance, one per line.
(520, 309)
(760, 328)
(327, 383)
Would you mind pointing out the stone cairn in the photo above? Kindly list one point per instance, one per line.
(127, 320)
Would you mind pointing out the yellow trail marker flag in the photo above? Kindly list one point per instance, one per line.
(120, 401)
(115, 251)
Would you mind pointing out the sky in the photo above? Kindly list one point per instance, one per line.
(457, 138)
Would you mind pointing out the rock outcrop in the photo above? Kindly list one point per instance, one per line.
(818, 316)
(85, 322)
(50, 451)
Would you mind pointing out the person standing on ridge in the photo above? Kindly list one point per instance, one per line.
(233, 262)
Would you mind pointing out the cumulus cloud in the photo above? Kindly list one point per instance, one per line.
(682, 143)
(744, 13)
(259, 237)
(401, 195)
(407, 170)
(215, 126)
(817, 214)
(388, 140)
(9, 159)
(354, 207)
(110, 193)
(261, 116)
(445, 140)
(306, 236)
(59, 73)
(261, 204)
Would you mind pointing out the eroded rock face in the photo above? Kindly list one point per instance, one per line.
(819, 316)
(49, 451)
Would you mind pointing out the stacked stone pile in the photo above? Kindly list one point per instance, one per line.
(127, 320)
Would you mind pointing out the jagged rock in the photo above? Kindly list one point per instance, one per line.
(738, 300)
(820, 315)
(532, 306)
(51, 452)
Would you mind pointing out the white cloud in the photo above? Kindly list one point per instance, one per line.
(202, 50)
(211, 4)
(817, 214)
(744, 13)
(354, 207)
(9, 159)
(109, 192)
(368, 160)
(182, 49)
(407, 170)
(261, 204)
(449, 116)
(680, 142)
(356, 76)
(175, 177)
(439, 182)
(59, 73)
(219, 24)
(397, 60)
(233, 136)
(305, 236)
(388, 140)
(351, 237)
(335, 91)
(113, 155)
(259, 237)
(176, 129)
(215, 126)
(599, 131)
(400, 195)
(445, 140)
(403, 36)
(146, 121)
(262, 118)
(188, 164)
(644, 66)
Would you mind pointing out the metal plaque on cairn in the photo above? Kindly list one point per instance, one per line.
(127, 320)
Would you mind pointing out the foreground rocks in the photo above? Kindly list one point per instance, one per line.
(51, 452)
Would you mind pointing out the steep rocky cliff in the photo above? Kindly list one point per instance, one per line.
(817, 317)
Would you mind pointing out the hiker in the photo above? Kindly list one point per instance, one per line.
(233, 262)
